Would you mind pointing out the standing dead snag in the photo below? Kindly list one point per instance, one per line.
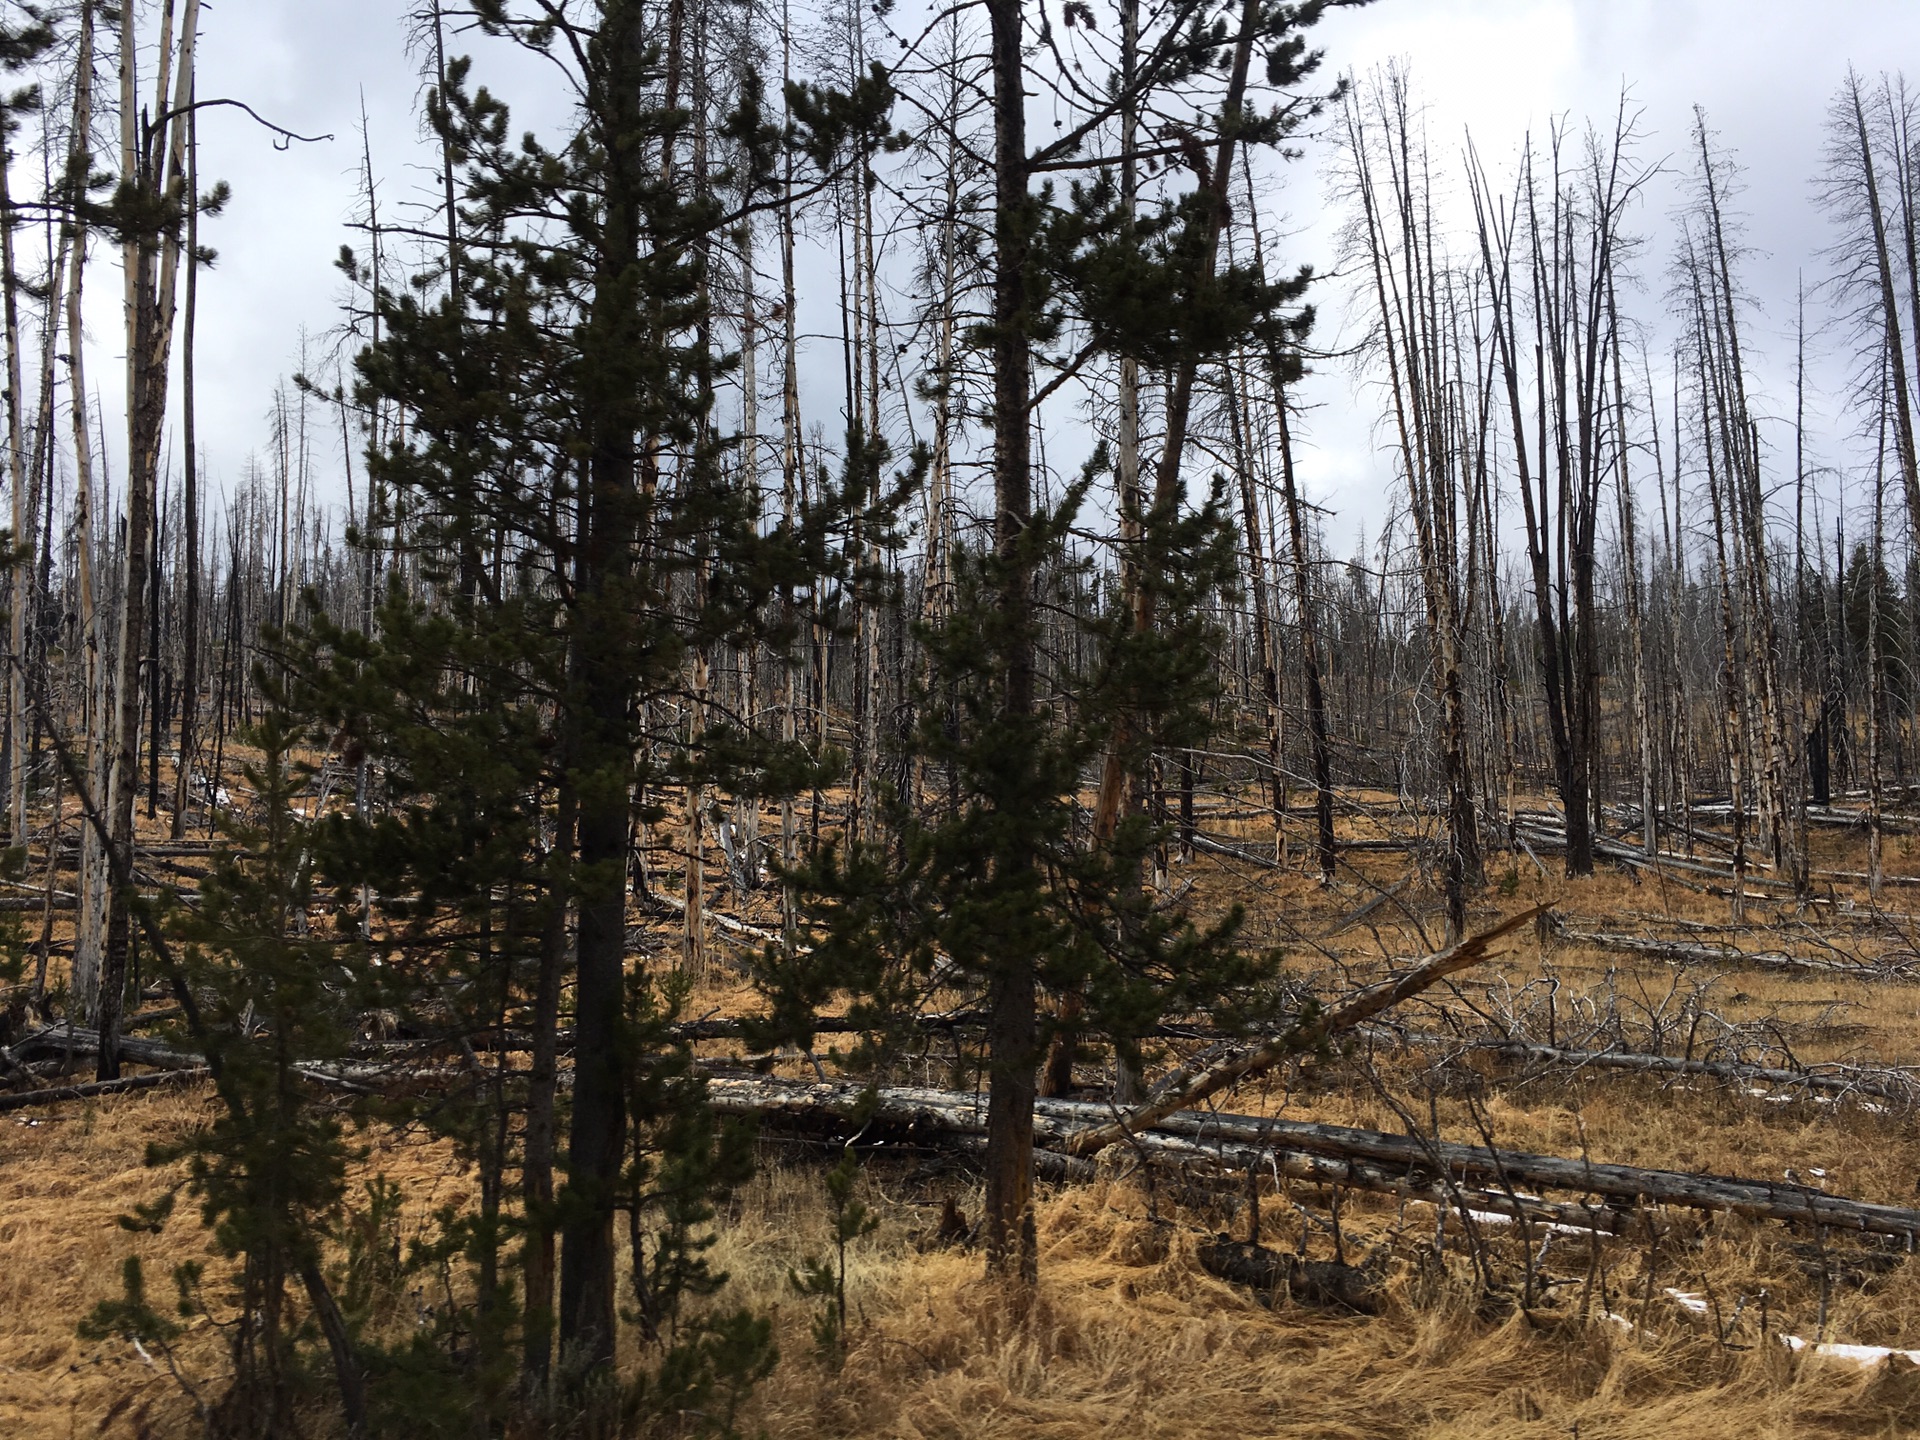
(90, 927)
(1630, 579)
(1283, 369)
(1735, 432)
(153, 158)
(1415, 306)
(1855, 193)
(22, 46)
(1571, 238)
(190, 497)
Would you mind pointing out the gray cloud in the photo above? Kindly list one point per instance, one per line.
(1764, 70)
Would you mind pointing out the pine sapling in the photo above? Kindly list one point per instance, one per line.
(826, 1280)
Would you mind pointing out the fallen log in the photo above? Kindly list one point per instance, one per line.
(947, 1120)
(907, 1116)
(1183, 1088)
(1689, 952)
(1207, 845)
(69, 851)
(1862, 877)
(78, 1040)
(148, 862)
(733, 1029)
(1664, 863)
(1835, 816)
(718, 918)
(1885, 1083)
(1249, 1135)
(711, 1028)
(1411, 1166)
(1355, 916)
(24, 1099)
(58, 1040)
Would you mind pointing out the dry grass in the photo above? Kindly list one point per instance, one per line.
(1129, 1334)
(66, 1174)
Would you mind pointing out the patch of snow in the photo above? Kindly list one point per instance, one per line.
(1863, 1357)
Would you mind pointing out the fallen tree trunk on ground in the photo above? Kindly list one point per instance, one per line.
(24, 1099)
(1688, 952)
(60, 1040)
(56, 1040)
(1202, 1144)
(1411, 1166)
(1665, 865)
(1883, 1083)
(1226, 1171)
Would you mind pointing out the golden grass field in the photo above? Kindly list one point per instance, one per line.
(1130, 1336)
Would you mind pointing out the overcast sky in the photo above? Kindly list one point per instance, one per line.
(1764, 70)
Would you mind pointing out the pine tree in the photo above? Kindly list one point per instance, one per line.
(264, 999)
(582, 530)
(998, 889)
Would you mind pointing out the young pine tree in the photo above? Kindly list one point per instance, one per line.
(578, 530)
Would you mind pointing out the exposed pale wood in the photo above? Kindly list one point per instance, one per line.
(359, 1078)
(79, 1040)
(1183, 1089)
(1333, 1154)
(1883, 1083)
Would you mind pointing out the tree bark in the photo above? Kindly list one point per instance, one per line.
(17, 575)
(1330, 1154)
(1568, 773)
(151, 261)
(1012, 1248)
(538, 1142)
(190, 500)
(90, 924)
(601, 744)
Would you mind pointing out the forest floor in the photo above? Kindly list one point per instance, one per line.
(1130, 1334)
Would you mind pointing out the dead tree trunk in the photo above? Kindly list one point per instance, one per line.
(154, 161)
(17, 575)
(1408, 296)
(1013, 1036)
(90, 924)
(1496, 238)
(1306, 611)
(1630, 575)
(1265, 643)
(190, 500)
